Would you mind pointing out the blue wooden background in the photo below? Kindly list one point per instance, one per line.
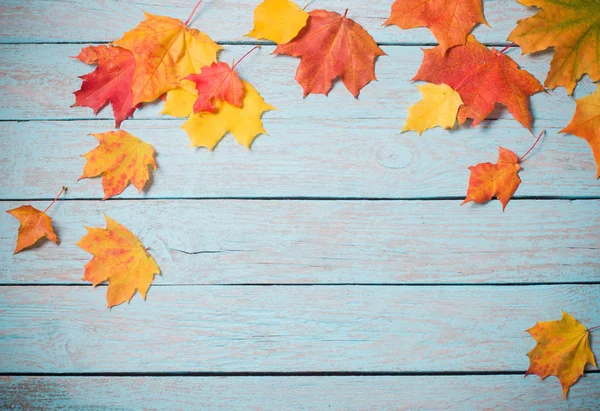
(329, 267)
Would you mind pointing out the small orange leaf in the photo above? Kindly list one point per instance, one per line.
(563, 349)
(586, 123)
(119, 258)
(35, 224)
(488, 180)
(120, 158)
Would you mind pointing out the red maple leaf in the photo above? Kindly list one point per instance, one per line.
(483, 78)
(217, 82)
(110, 82)
(330, 46)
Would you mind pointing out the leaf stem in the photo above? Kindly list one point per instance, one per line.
(507, 47)
(244, 56)
(345, 13)
(52, 203)
(307, 4)
(531, 148)
(192, 14)
(594, 328)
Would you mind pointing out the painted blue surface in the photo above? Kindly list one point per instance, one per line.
(335, 246)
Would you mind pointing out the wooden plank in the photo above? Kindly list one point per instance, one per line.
(282, 329)
(224, 20)
(403, 242)
(298, 393)
(39, 81)
(296, 159)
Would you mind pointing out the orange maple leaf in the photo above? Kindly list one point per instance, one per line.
(110, 82)
(482, 77)
(573, 29)
(488, 180)
(217, 82)
(119, 258)
(34, 225)
(330, 46)
(586, 123)
(165, 52)
(563, 349)
(120, 158)
(450, 21)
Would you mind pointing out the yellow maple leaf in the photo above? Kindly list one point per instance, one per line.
(278, 20)
(180, 101)
(120, 158)
(563, 349)
(207, 129)
(119, 258)
(165, 51)
(586, 123)
(438, 107)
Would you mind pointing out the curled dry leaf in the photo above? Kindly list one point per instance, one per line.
(120, 158)
(35, 225)
(330, 46)
(482, 77)
(450, 21)
(217, 82)
(572, 28)
(563, 349)
(500, 180)
(110, 82)
(278, 20)
(586, 123)
(165, 52)
(438, 107)
(119, 258)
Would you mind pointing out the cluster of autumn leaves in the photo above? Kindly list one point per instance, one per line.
(162, 58)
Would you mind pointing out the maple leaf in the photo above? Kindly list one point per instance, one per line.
(120, 158)
(278, 20)
(207, 129)
(119, 258)
(438, 107)
(562, 349)
(573, 29)
(110, 82)
(165, 51)
(34, 225)
(501, 179)
(180, 101)
(482, 77)
(586, 123)
(330, 46)
(217, 82)
(450, 21)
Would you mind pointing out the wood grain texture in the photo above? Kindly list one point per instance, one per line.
(282, 329)
(298, 393)
(297, 159)
(38, 82)
(223, 20)
(235, 241)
